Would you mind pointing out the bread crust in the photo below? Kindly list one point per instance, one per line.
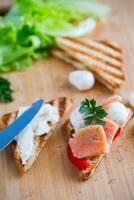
(63, 104)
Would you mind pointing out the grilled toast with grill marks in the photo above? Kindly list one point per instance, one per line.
(104, 58)
(63, 105)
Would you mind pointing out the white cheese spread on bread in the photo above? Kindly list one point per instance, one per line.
(47, 116)
(76, 119)
(25, 142)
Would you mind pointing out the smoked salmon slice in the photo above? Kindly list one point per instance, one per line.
(110, 129)
(93, 140)
(89, 141)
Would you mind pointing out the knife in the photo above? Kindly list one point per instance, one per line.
(8, 134)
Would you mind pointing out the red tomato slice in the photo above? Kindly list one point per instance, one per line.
(117, 134)
(81, 164)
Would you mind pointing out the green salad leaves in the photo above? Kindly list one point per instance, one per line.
(92, 113)
(29, 29)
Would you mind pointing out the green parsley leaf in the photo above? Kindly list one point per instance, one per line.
(92, 114)
(5, 91)
(99, 122)
(88, 120)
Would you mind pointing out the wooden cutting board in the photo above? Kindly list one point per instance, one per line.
(52, 177)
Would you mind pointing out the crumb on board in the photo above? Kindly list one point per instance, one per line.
(111, 180)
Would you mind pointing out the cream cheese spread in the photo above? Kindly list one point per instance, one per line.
(47, 116)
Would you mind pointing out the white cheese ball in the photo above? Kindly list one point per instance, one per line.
(117, 112)
(82, 79)
(76, 119)
(131, 99)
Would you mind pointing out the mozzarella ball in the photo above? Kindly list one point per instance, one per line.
(117, 112)
(82, 79)
(76, 119)
(131, 99)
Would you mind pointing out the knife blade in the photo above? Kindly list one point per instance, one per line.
(8, 134)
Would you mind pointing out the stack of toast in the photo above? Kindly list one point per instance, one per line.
(104, 58)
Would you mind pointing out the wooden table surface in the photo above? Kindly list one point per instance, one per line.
(52, 177)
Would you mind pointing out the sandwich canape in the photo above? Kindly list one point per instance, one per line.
(91, 131)
(28, 144)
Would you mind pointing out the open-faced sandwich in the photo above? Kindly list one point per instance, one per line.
(92, 130)
(104, 58)
(28, 144)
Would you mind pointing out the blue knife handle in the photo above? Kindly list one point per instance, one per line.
(8, 134)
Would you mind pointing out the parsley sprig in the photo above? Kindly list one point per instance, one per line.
(5, 91)
(92, 113)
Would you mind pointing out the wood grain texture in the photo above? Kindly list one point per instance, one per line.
(52, 177)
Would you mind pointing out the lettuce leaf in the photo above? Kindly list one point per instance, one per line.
(28, 31)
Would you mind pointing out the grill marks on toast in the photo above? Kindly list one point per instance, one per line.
(104, 58)
(6, 119)
(93, 52)
(63, 104)
(99, 51)
(111, 44)
(104, 47)
(104, 78)
(67, 58)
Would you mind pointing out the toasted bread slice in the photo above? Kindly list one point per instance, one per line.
(67, 58)
(94, 162)
(63, 105)
(103, 58)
